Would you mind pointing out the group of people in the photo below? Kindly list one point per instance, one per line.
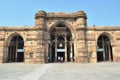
(60, 59)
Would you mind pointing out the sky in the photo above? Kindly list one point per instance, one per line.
(22, 12)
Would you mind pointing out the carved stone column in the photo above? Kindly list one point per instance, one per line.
(109, 50)
(71, 52)
(55, 59)
(65, 49)
(47, 52)
(50, 52)
(16, 49)
(103, 44)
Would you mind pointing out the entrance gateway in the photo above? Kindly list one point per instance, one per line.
(61, 46)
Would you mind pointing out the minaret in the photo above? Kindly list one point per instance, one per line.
(40, 29)
(81, 28)
(81, 20)
(40, 19)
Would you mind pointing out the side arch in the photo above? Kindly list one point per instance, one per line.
(14, 50)
(106, 34)
(10, 36)
(104, 48)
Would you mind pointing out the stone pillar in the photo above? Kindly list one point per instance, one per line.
(9, 54)
(16, 50)
(65, 49)
(50, 52)
(55, 59)
(12, 55)
(47, 52)
(75, 58)
(109, 49)
(71, 53)
(5, 55)
(103, 49)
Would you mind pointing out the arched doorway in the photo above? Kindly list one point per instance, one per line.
(16, 49)
(104, 49)
(61, 47)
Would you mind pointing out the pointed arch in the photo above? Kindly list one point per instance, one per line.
(66, 24)
(14, 48)
(8, 39)
(106, 34)
(104, 48)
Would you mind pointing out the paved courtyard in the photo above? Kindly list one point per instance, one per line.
(60, 71)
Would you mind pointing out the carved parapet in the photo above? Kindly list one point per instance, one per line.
(67, 14)
(61, 14)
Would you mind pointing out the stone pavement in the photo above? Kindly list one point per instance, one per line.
(14, 71)
(60, 71)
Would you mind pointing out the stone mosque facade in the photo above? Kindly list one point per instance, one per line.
(60, 37)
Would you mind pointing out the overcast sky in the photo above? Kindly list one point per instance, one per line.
(21, 12)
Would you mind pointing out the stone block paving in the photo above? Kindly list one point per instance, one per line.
(60, 71)
(12, 71)
(72, 71)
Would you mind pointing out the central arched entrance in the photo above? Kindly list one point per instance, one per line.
(61, 47)
(16, 49)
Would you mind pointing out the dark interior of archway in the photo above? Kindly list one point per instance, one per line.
(16, 49)
(104, 49)
(60, 41)
(58, 32)
(60, 25)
